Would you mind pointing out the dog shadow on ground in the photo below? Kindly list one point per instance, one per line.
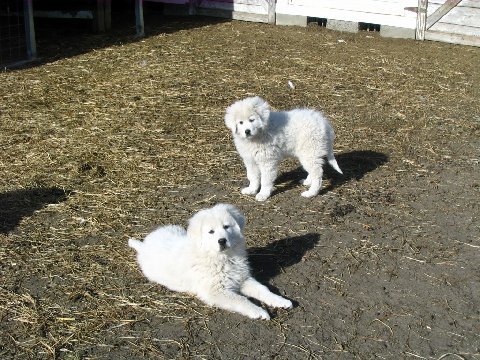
(354, 164)
(17, 204)
(268, 261)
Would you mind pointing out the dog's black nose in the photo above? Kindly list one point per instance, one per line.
(222, 242)
(247, 132)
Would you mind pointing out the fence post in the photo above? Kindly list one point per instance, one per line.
(108, 14)
(140, 26)
(271, 11)
(29, 29)
(99, 16)
(421, 19)
(192, 7)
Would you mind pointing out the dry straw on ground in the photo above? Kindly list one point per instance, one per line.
(127, 134)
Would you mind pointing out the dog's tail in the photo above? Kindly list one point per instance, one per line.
(135, 244)
(333, 162)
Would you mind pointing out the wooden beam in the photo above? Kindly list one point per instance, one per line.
(441, 12)
(99, 17)
(271, 11)
(231, 14)
(192, 7)
(421, 19)
(453, 38)
(58, 14)
(29, 29)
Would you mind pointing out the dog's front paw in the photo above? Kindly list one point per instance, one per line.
(309, 194)
(283, 303)
(258, 313)
(249, 191)
(262, 196)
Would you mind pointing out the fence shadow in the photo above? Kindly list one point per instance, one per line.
(18, 204)
(354, 164)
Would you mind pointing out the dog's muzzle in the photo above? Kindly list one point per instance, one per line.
(223, 243)
(248, 132)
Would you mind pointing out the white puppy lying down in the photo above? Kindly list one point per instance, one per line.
(263, 138)
(208, 260)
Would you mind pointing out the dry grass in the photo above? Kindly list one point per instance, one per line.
(104, 145)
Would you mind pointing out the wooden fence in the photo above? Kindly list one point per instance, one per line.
(453, 21)
(382, 12)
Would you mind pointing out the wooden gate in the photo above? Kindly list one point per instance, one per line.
(452, 21)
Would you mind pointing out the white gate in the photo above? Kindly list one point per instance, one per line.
(453, 21)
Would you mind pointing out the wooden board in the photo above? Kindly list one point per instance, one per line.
(388, 7)
(460, 25)
(452, 38)
(246, 6)
(441, 12)
(81, 14)
(249, 10)
(421, 20)
(178, 2)
(460, 15)
(463, 3)
(456, 29)
(384, 12)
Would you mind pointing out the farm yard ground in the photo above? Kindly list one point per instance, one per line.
(105, 143)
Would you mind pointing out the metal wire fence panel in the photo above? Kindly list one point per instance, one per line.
(13, 46)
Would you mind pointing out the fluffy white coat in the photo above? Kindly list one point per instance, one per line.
(207, 260)
(264, 137)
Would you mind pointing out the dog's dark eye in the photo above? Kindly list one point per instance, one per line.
(241, 122)
(251, 120)
(226, 227)
(211, 232)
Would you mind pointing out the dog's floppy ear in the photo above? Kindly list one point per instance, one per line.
(194, 229)
(230, 119)
(235, 213)
(261, 108)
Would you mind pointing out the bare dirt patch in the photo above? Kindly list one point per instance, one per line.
(108, 142)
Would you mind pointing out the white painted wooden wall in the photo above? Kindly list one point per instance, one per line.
(250, 10)
(383, 12)
(247, 6)
(178, 2)
(461, 25)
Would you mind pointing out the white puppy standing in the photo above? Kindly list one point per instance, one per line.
(208, 260)
(263, 138)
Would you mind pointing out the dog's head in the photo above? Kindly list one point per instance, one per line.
(217, 229)
(248, 117)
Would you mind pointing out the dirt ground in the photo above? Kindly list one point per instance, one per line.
(110, 136)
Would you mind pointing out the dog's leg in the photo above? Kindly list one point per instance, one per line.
(314, 167)
(314, 189)
(307, 181)
(253, 175)
(231, 301)
(254, 289)
(268, 175)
